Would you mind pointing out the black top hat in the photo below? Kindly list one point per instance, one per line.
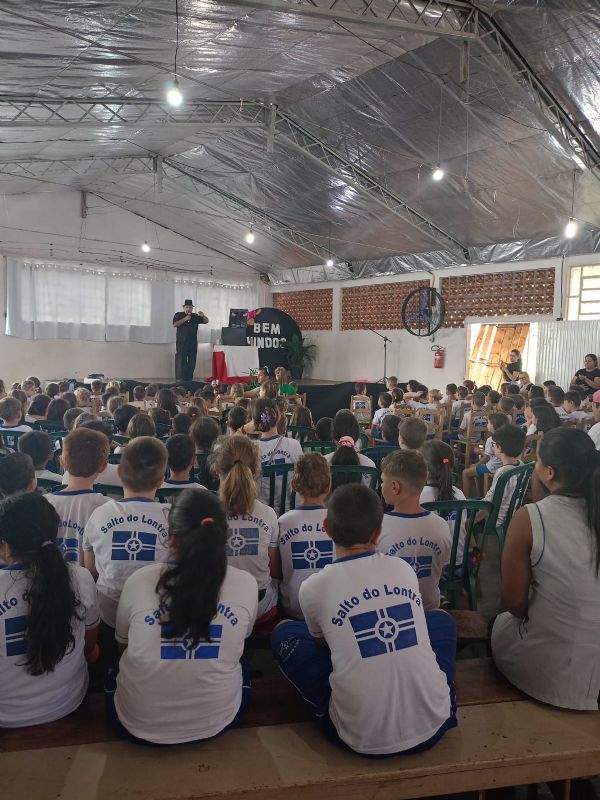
(188, 303)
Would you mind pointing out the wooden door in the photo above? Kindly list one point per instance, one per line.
(492, 345)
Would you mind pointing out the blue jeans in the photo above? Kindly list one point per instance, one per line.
(110, 687)
(307, 665)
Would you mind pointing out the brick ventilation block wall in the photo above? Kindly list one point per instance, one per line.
(378, 306)
(312, 309)
(497, 294)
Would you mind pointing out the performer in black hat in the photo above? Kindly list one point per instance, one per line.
(187, 323)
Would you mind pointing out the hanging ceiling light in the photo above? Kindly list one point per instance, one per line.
(571, 228)
(174, 96)
(438, 173)
(250, 237)
(145, 247)
(330, 262)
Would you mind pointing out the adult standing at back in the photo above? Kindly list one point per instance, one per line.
(187, 322)
(513, 367)
(547, 643)
(588, 378)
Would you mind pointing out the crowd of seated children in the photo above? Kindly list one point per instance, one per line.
(420, 538)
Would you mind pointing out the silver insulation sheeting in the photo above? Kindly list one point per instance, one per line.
(391, 102)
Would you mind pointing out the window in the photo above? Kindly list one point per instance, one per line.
(129, 302)
(584, 293)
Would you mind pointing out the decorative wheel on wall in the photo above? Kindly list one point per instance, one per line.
(423, 311)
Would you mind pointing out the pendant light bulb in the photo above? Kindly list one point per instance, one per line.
(250, 237)
(330, 262)
(145, 247)
(571, 229)
(438, 173)
(174, 96)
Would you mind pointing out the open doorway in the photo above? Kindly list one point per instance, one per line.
(490, 344)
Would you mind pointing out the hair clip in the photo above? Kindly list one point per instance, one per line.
(346, 441)
(265, 418)
(445, 460)
(206, 520)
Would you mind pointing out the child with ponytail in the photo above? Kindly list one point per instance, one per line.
(182, 626)
(546, 643)
(49, 619)
(439, 458)
(252, 529)
(275, 448)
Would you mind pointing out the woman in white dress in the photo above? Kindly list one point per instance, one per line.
(547, 643)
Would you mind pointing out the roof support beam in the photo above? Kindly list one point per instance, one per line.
(430, 17)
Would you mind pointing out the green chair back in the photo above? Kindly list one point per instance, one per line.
(167, 495)
(47, 485)
(319, 447)
(122, 440)
(49, 426)
(109, 490)
(162, 430)
(114, 458)
(302, 433)
(461, 576)
(341, 474)
(272, 472)
(10, 438)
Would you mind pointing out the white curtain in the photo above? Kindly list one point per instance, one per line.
(50, 301)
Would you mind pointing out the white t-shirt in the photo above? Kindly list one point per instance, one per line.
(124, 536)
(35, 699)
(305, 548)
(171, 484)
(249, 537)
(276, 450)
(45, 475)
(380, 414)
(388, 693)
(430, 495)
(167, 691)
(594, 434)
(493, 464)
(480, 418)
(578, 414)
(561, 412)
(110, 476)
(508, 491)
(424, 542)
(74, 510)
(531, 429)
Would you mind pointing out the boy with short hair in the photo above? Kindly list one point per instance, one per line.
(324, 429)
(17, 475)
(420, 538)
(96, 389)
(303, 546)
(110, 474)
(384, 402)
(181, 456)
(508, 444)
(451, 394)
(556, 398)
(375, 668)
(571, 406)
(462, 394)
(519, 403)
(151, 392)
(30, 390)
(489, 463)
(389, 430)
(480, 417)
(391, 383)
(39, 446)
(505, 406)
(69, 417)
(122, 416)
(114, 401)
(10, 416)
(139, 398)
(123, 535)
(412, 432)
(84, 457)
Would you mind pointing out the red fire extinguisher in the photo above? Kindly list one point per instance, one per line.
(438, 356)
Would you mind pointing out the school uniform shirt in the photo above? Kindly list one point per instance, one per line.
(35, 699)
(45, 475)
(480, 418)
(276, 450)
(430, 495)
(380, 414)
(171, 484)
(493, 463)
(594, 434)
(554, 654)
(424, 542)
(388, 693)
(74, 509)
(456, 407)
(577, 414)
(305, 548)
(249, 537)
(508, 490)
(167, 690)
(561, 413)
(110, 476)
(531, 429)
(124, 535)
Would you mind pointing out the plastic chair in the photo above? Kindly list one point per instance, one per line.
(10, 439)
(109, 490)
(166, 495)
(301, 433)
(460, 577)
(122, 440)
(319, 447)
(523, 474)
(377, 454)
(48, 485)
(50, 426)
(341, 474)
(114, 458)
(162, 430)
(272, 472)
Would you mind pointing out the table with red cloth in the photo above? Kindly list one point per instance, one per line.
(232, 364)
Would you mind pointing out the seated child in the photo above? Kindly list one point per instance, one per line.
(38, 408)
(70, 416)
(461, 402)
(181, 455)
(181, 423)
(17, 475)
(84, 457)
(40, 447)
(188, 660)
(391, 383)
(122, 416)
(451, 394)
(274, 448)
(140, 425)
(397, 395)
(505, 406)
(419, 397)
(509, 441)
(419, 537)
(304, 547)
(110, 475)
(493, 398)
(95, 390)
(572, 406)
(374, 667)
(11, 416)
(151, 392)
(479, 415)
(324, 429)
(204, 432)
(84, 399)
(384, 402)
(389, 430)
(434, 398)
(252, 529)
(556, 398)
(519, 405)
(237, 417)
(124, 535)
(139, 398)
(412, 432)
(489, 463)
(345, 426)
(50, 618)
